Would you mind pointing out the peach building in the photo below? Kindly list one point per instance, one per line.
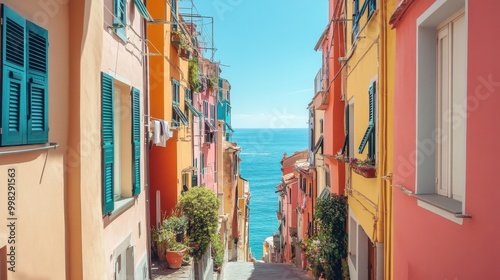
(73, 140)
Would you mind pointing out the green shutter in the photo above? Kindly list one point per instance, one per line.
(369, 136)
(37, 60)
(202, 164)
(13, 109)
(107, 88)
(142, 10)
(136, 141)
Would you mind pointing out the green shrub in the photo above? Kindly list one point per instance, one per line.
(200, 206)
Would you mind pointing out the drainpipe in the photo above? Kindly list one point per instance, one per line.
(146, 118)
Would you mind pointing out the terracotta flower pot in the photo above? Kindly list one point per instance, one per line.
(174, 258)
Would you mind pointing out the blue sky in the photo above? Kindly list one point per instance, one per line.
(268, 47)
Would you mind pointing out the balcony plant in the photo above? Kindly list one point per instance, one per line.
(195, 82)
(365, 168)
(341, 156)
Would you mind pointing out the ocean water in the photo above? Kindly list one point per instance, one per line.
(262, 151)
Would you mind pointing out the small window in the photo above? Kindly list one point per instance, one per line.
(321, 126)
(212, 114)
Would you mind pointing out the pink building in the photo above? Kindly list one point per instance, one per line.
(288, 190)
(205, 127)
(446, 96)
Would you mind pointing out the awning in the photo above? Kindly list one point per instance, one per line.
(188, 169)
(210, 127)
(142, 10)
(228, 127)
(193, 109)
(181, 115)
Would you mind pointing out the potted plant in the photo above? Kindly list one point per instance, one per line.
(174, 250)
(176, 224)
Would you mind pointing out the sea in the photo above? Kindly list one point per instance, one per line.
(261, 153)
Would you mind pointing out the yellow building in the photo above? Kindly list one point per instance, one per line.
(368, 92)
(171, 166)
(243, 195)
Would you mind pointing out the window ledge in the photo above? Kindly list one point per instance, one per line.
(443, 206)
(120, 206)
(444, 203)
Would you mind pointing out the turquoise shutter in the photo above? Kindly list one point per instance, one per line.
(369, 136)
(38, 128)
(107, 88)
(120, 18)
(13, 109)
(136, 142)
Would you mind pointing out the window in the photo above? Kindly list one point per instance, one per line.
(369, 136)
(173, 6)
(120, 18)
(185, 179)
(327, 177)
(441, 96)
(24, 117)
(356, 15)
(178, 116)
(220, 97)
(321, 126)
(205, 109)
(120, 156)
(202, 163)
(188, 95)
(212, 114)
(348, 147)
(450, 158)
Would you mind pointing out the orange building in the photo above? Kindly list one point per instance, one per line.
(171, 166)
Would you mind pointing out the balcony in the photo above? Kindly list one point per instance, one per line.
(321, 94)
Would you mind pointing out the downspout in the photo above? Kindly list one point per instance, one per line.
(146, 118)
(380, 264)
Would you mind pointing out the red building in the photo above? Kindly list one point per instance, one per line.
(446, 96)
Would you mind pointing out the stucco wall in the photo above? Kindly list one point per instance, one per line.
(40, 189)
(428, 246)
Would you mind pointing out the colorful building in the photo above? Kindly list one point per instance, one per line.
(224, 106)
(171, 163)
(288, 202)
(86, 100)
(329, 89)
(368, 69)
(205, 128)
(445, 225)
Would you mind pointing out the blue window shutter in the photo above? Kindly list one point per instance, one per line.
(37, 60)
(107, 88)
(13, 110)
(369, 137)
(136, 142)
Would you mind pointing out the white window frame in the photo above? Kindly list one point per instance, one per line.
(122, 179)
(427, 137)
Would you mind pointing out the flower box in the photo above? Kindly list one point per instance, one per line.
(367, 171)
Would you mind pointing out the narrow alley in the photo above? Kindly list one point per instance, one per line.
(263, 271)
